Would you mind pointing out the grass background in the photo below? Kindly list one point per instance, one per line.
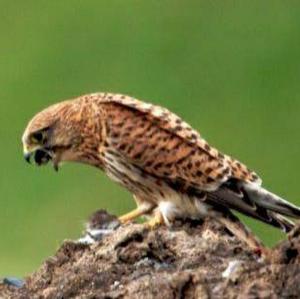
(230, 68)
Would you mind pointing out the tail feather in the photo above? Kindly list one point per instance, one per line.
(282, 222)
(270, 201)
(242, 203)
(256, 202)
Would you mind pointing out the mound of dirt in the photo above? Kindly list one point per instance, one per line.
(190, 260)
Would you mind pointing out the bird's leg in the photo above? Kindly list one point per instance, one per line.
(131, 215)
(155, 221)
(237, 228)
(139, 211)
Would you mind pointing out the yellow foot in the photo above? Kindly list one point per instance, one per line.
(155, 221)
(133, 214)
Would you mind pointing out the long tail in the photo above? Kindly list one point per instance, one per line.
(270, 201)
(285, 224)
(273, 206)
(255, 201)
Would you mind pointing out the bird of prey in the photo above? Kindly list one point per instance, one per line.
(169, 168)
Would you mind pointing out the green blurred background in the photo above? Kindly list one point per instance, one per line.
(231, 68)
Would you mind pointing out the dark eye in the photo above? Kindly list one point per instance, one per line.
(38, 137)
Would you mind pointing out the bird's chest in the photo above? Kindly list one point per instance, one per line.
(133, 178)
(151, 189)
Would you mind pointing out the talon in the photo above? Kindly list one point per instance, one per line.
(130, 216)
(140, 211)
(155, 221)
(122, 221)
(125, 219)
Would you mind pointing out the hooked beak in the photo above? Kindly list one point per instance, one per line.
(28, 153)
(27, 157)
(40, 155)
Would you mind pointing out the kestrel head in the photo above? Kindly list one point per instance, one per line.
(57, 133)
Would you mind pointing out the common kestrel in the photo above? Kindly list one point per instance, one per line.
(170, 169)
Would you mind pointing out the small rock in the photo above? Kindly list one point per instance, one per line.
(14, 282)
(233, 270)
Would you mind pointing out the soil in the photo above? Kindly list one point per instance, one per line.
(190, 260)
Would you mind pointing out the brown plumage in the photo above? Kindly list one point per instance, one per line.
(169, 168)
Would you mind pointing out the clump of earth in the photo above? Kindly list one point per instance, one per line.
(194, 259)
